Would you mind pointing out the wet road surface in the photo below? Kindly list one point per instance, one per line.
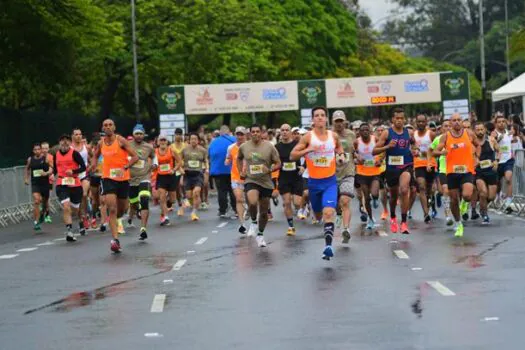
(198, 286)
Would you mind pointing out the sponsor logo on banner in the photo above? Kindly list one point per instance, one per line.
(454, 85)
(231, 96)
(170, 99)
(274, 94)
(244, 95)
(204, 97)
(379, 100)
(385, 87)
(345, 91)
(416, 85)
(311, 93)
(373, 89)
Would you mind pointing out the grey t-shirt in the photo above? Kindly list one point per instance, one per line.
(348, 168)
(194, 158)
(141, 170)
(256, 156)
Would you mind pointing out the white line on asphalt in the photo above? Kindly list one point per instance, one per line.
(214, 231)
(201, 241)
(190, 252)
(26, 250)
(179, 264)
(59, 239)
(158, 303)
(417, 269)
(441, 288)
(9, 256)
(382, 233)
(45, 243)
(153, 335)
(167, 281)
(490, 319)
(401, 254)
(222, 224)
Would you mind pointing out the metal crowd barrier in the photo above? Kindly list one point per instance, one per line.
(16, 202)
(518, 182)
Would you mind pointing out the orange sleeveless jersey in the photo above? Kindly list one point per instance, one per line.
(235, 174)
(166, 162)
(365, 151)
(460, 154)
(115, 158)
(424, 144)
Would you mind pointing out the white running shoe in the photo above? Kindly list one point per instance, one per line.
(252, 231)
(260, 241)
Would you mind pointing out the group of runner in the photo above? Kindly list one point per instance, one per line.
(316, 172)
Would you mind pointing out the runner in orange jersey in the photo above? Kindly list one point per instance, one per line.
(169, 163)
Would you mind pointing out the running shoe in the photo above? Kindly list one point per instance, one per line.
(48, 219)
(270, 217)
(143, 234)
(459, 230)
(474, 215)
(93, 223)
(404, 228)
(120, 227)
(180, 212)
(393, 225)
(427, 219)
(439, 202)
(486, 220)
(242, 230)
(375, 203)
(203, 206)
(364, 215)
(449, 221)
(291, 231)
(314, 221)
(115, 246)
(463, 207)
(275, 201)
(346, 236)
(384, 215)
(42, 218)
(409, 214)
(164, 221)
(370, 224)
(433, 213)
(85, 221)
(103, 227)
(328, 252)
(464, 217)
(300, 214)
(36, 226)
(194, 217)
(260, 241)
(223, 216)
(82, 231)
(252, 230)
(70, 237)
(186, 203)
(130, 223)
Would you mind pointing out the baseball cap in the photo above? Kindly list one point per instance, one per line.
(163, 137)
(302, 131)
(295, 129)
(240, 130)
(338, 115)
(138, 129)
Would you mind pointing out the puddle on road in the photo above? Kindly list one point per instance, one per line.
(462, 252)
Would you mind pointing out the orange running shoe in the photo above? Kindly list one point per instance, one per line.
(393, 225)
(384, 215)
(404, 228)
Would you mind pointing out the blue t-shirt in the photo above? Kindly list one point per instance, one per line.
(399, 156)
(217, 152)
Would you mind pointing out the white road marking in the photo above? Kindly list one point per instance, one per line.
(45, 243)
(490, 319)
(179, 264)
(8, 256)
(167, 281)
(401, 254)
(59, 239)
(158, 303)
(214, 231)
(190, 252)
(201, 241)
(441, 289)
(417, 269)
(153, 335)
(26, 250)
(382, 233)
(222, 224)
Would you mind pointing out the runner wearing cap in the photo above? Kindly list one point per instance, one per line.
(345, 170)
(79, 145)
(177, 146)
(237, 182)
(322, 149)
(140, 182)
(169, 163)
(506, 161)
(290, 182)
(115, 176)
(257, 159)
(195, 165)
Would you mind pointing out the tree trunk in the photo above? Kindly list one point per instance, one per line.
(226, 119)
(108, 97)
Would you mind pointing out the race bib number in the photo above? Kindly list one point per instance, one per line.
(370, 163)
(396, 160)
(484, 164)
(68, 181)
(194, 164)
(505, 148)
(178, 173)
(289, 166)
(459, 169)
(82, 175)
(38, 173)
(256, 169)
(139, 164)
(164, 167)
(116, 173)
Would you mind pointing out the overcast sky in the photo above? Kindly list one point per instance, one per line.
(376, 9)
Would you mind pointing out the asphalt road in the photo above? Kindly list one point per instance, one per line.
(198, 286)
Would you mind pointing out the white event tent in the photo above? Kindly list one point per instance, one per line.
(514, 88)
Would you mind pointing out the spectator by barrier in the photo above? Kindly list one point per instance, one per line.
(16, 202)
(518, 182)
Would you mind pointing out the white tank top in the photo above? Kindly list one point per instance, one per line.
(324, 150)
(505, 148)
(423, 142)
(365, 150)
(516, 145)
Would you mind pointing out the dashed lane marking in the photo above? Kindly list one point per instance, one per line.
(416, 268)
(153, 335)
(214, 231)
(45, 243)
(59, 239)
(401, 254)
(158, 303)
(190, 252)
(382, 233)
(26, 250)
(8, 256)
(222, 224)
(201, 241)
(167, 281)
(488, 319)
(440, 288)
(179, 264)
